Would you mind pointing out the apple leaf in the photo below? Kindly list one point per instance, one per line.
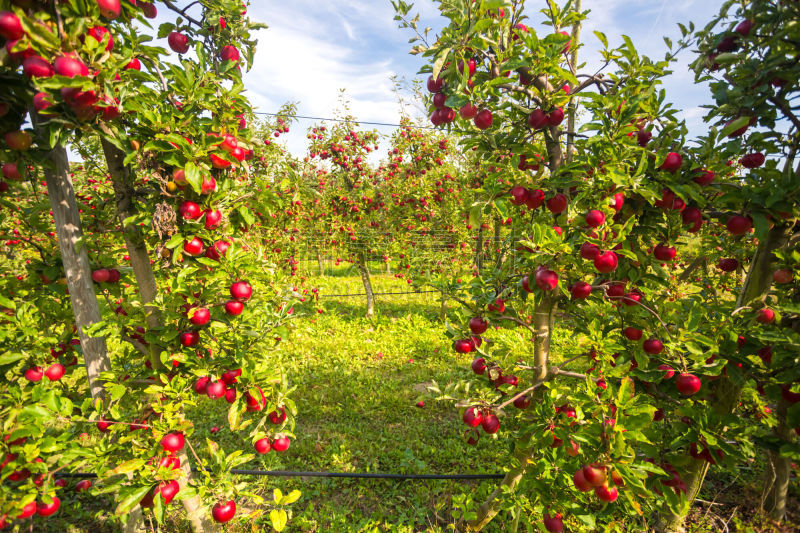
(130, 497)
(437, 66)
(235, 414)
(278, 519)
(8, 358)
(739, 123)
(194, 177)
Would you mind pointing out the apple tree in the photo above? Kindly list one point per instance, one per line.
(170, 300)
(624, 382)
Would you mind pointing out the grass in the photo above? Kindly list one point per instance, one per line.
(358, 382)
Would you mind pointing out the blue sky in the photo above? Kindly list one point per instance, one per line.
(312, 49)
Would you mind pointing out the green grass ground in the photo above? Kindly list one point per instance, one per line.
(358, 382)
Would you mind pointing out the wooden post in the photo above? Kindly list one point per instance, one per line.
(61, 192)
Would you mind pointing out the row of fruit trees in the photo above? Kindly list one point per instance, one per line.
(161, 272)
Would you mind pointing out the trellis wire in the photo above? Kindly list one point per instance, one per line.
(292, 473)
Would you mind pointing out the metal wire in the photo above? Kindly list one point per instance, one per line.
(291, 473)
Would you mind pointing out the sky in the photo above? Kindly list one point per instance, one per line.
(312, 49)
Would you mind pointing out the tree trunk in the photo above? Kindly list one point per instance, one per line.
(319, 263)
(76, 266)
(543, 324)
(443, 308)
(479, 250)
(759, 279)
(776, 484)
(362, 267)
(122, 177)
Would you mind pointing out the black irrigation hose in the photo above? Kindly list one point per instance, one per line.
(374, 294)
(290, 473)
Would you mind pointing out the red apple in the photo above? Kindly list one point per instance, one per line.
(739, 225)
(473, 417)
(234, 308)
(229, 53)
(537, 119)
(606, 262)
(10, 26)
(100, 34)
(200, 317)
(193, 247)
(606, 494)
(594, 474)
(653, 346)
(483, 120)
(262, 446)
(783, 276)
(580, 290)
(34, 374)
(490, 423)
(765, 316)
(189, 339)
(553, 524)
(178, 42)
(216, 390)
(110, 9)
(595, 218)
(190, 211)
(55, 372)
(172, 442)
(580, 481)
(223, 511)
(18, 140)
(632, 333)
(687, 384)
(281, 444)
(241, 290)
(213, 218)
(547, 280)
(254, 404)
(557, 203)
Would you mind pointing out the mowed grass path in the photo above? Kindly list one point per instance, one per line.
(358, 382)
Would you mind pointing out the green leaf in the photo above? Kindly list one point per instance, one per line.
(8, 358)
(739, 123)
(278, 518)
(235, 414)
(437, 66)
(130, 497)
(292, 497)
(127, 466)
(475, 215)
(194, 177)
(175, 241)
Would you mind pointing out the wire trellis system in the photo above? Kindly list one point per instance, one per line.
(291, 473)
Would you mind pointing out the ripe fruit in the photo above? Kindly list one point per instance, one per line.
(739, 225)
(553, 524)
(190, 211)
(70, 67)
(229, 53)
(189, 338)
(547, 280)
(223, 511)
(134, 64)
(275, 418)
(557, 204)
(110, 9)
(693, 217)
(782, 276)
(201, 385)
(478, 325)
(483, 120)
(765, 316)
(18, 140)
(744, 27)
(10, 26)
(497, 306)
(472, 417)
(672, 163)
(632, 334)
(594, 474)
(241, 290)
(48, 509)
(490, 423)
(606, 494)
(213, 218)
(727, 264)
(216, 389)
(668, 370)
(662, 252)
(11, 172)
(523, 402)
(281, 444)
(234, 308)
(103, 425)
(36, 67)
(218, 250)
(606, 262)
(200, 317)
(435, 86)
(34, 374)
(168, 490)
(148, 9)
(55, 372)
(463, 345)
(580, 481)
(83, 485)
(178, 42)
(589, 251)
(555, 117)
(705, 177)
(753, 160)
(595, 218)
(101, 275)
(262, 446)
(653, 346)
(252, 403)
(479, 365)
(172, 442)
(687, 384)
(193, 247)
(537, 119)
(643, 137)
(580, 290)
(468, 111)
